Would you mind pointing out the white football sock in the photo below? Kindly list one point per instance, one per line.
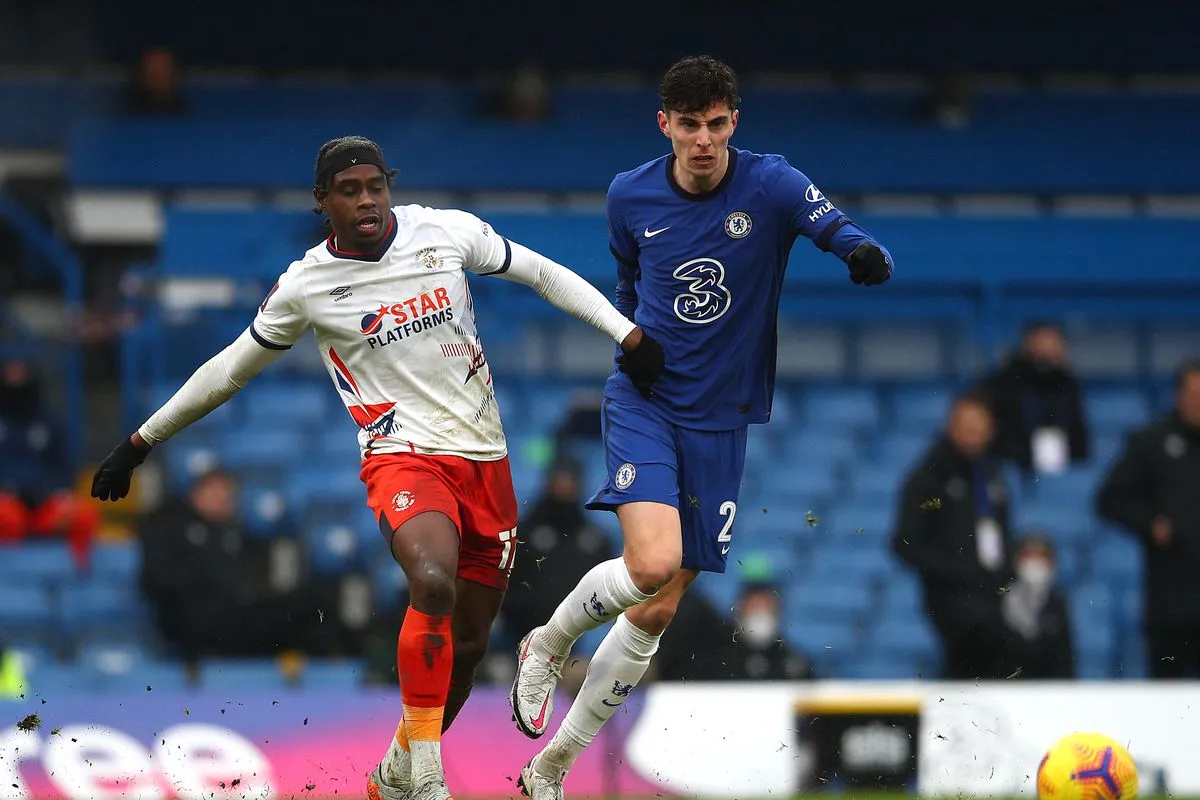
(426, 762)
(397, 767)
(601, 596)
(618, 665)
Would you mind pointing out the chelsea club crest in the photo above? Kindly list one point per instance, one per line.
(738, 224)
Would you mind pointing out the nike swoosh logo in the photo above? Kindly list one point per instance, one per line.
(540, 719)
(610, 705)
(649, 234)
(724, 549)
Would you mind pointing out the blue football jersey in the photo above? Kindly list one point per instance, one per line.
(702, 273)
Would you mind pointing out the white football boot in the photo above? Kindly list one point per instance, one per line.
(532, 697)
(378, 790)
(537, 786)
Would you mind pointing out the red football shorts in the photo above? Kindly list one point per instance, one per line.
(477, 496)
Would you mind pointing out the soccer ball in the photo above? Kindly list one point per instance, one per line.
(1087, 766)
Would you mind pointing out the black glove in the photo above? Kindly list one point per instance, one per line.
(869, 265)
(111, 481)
(643, 364)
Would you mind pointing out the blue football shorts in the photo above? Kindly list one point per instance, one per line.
(698, 472)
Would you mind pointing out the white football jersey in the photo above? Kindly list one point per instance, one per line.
(396, 330)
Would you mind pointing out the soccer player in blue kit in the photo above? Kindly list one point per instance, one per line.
(701, 237)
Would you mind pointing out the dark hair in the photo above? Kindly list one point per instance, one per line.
(696, 83)
(339, 145)
(1186, 369)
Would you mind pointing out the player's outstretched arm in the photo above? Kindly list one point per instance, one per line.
(643, 356)
(219, 379)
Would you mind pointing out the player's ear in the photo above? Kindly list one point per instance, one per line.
(662, 124)
(319, 195)
(733, 120)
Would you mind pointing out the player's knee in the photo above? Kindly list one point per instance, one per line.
(431, 589)
(651, 574)
(469, 651)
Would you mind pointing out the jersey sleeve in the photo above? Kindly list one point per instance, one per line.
(282, 318)
(484, 251)
(813, 216)
(623, 245)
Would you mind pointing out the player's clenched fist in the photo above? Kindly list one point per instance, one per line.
(869, 265)
(111, 481)
(642, 360)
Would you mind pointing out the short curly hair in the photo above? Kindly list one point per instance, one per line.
(697, 83)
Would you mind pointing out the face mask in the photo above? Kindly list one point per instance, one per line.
(759, 628)
(1036, 574)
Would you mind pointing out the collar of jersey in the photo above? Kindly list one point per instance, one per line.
(371, 255)
(702, 196)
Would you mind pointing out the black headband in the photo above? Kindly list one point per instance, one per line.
(344, 159)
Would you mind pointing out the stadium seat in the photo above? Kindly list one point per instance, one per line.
(826, 644)
(849, 408)
(148, 677)
(388, 584)
(821, 447)
(798, 485)
(264, 509)
(853, 565)
(876, 483)
(901, 448)
(332, 546)
(1117, 558)
(859, 526)
(257, 451)
(1115, 408)
(25, 610)
(921, 408)
(116, 562)
(892, 667)
(35, 562)
(276, 406)
(307, 486)
(1092, 618)
(830, 601)
(241, 675)
(111, 659)
(94, 605)
(327, 674)
(905, 638)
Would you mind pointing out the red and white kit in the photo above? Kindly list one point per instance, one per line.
(396, 331)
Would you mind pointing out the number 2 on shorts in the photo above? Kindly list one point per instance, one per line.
(729, 511)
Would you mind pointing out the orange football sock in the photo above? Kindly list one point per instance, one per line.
(424, 657)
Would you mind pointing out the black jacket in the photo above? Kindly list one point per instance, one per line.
(1051, 654)
(1159, 474)
(1025, 398)
(936, 535)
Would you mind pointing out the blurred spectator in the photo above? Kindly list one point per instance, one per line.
(153, 88)
(35, 474)
(207, 598)
(1036, 612)
(1040, 423)
(1153, 491)
(702, 645)
(525, 96)
(953, 530)
(558, 547)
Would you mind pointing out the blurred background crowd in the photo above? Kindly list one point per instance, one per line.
(990, 469)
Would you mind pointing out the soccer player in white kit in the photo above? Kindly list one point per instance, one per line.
(388, 300)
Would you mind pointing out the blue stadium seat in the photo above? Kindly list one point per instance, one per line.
(903, 596)
(859, 526)
(842, 564)
(312, 485)
(255, 450)
(1064, 523)
(327, 674)
(1117, 558)
(921, 408)
(905, 638)
(26, 610)
(1092, 618)
(876, 483)
(841, 407)
(823, 642)
(280, 405)
(799, 484)
(264, 509)
(823, 447)
(901, 448)
(829, 602)
(1116, 408)
(35, 562)
(117, 562)
(187, 460)
(53, 679)
(112, 659)
(99, 605)
(890, 667)
(388, 584)
(240, 675)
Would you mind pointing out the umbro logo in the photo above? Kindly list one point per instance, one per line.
(341, 293)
